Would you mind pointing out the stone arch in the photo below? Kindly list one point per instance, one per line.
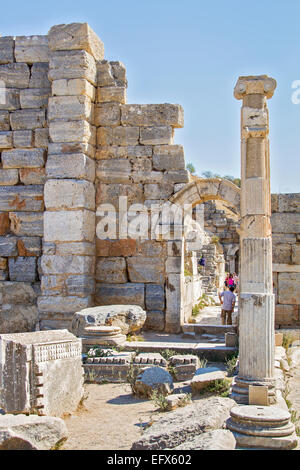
(196, 192)
(200, 190)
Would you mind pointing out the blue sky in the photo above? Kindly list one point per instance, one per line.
(192, 52)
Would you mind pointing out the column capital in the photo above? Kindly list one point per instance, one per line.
(254, 85)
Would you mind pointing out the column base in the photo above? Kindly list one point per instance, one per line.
(262, 427)
(240, 389)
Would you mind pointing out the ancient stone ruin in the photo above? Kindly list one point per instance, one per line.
(101, 232)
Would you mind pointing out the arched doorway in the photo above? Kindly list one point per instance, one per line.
(196, 192)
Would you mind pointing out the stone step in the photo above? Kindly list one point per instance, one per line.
(199, 329)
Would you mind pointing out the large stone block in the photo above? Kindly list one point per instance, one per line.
(4, 120)
(127, 294)
(4, 223)
(145, 270)
(72, 65)
(23, 158)
(68, 264)
(113, 94)
(75, 248)
(41, 138)
(113, 171)
(8, 246)
(111, 74)
(34, 98)
(153, 378)
(289, 288)
(155, 297)
(157, 191)
(18, 318)
(118, 136)
(6, 140)
(31, 49)
(11, 101)
(76, 225)
(39, 76)
(74, 36)
(289, 202)
(70, 148)
(22, 198)
(287, 315)
(107, 114)
(149, 115)
(73, 87)
(176, 176)
(69, 194)
(42, 366)
(7, 50)
(282, 253)
(72, 285)
(63, 304)
(22, 269)
(9, 177)
(15, 75)
(110, 248)
(17, 293)
(32, 175)
(72, 131)
(133, 152)
(168, 157)
(31, 432)
(110, 193)
(156, 135)
(155, 321)
(111, 270)
(23, 139)
(70, 108)
(77, 166)
(29, 246)
(28, 119)
(285, 222)
(27, 223)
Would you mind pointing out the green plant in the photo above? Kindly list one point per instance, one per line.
(186, 400)
(202, 363)
(287, 341)
(215, 239)
(231, 365)
(131, 377)
(187, 272)
(132, 337)
(167, 353)
(159, 399)
(219, 387)
(172, 370)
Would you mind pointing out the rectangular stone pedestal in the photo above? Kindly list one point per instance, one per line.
(40, 372)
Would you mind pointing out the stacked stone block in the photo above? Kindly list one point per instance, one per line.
(25, 89)
(69, 228)
(135, 158)
(285, 222)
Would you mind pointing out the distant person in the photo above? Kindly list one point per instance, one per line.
(236, 280)
(227, 299)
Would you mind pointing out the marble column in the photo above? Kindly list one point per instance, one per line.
(256, 299)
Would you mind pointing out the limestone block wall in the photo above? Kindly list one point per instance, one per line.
(69, 143)
(25, 90)
(136, 160)
(285, 222)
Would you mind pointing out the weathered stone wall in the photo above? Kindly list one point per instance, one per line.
(285, 222)
(69, 142)
(23, 147)
(135, 158)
